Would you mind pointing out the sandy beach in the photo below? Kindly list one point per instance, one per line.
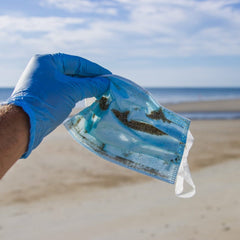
(63, 191)
(206, 106)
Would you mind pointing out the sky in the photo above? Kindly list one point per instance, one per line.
(176, 43)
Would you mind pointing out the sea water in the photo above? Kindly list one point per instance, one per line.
(5, 93)
(178, 95)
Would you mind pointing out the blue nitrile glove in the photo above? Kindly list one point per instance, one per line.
(49, 88)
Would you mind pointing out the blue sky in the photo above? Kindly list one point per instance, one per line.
(152, 42)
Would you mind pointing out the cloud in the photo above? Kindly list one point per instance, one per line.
(123, 33)
(178, 27)
(97, 7)
(183, 27)
(21, 35)
(35, 24)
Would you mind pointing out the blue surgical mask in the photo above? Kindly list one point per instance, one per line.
(128, 127)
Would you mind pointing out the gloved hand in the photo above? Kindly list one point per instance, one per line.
(49, 88)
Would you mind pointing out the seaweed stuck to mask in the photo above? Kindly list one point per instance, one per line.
(157, 115)
(103, 103)
(136, 125)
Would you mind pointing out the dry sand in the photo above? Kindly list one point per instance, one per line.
(63, 191)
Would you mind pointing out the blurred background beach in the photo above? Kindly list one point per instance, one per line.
(187, 54)
(64, 191)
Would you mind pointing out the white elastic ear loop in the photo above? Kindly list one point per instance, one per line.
(184, 172)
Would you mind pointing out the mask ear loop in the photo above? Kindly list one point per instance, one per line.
(184, 172)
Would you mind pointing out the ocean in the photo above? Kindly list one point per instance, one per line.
(178, 95)
(5, 93)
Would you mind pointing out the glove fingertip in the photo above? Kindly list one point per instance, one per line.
(93, 87)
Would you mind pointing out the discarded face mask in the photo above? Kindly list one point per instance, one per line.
(128, 127)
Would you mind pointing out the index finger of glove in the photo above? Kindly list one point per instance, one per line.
(78, 66)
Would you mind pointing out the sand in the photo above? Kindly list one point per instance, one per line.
(64, 191)
(213, 106)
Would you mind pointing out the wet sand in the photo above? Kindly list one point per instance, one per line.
(206, 106)
(64, 191)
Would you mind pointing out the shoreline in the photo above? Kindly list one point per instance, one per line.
(207, 106)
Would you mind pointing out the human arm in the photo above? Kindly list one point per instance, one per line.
(14, 135)
(49, 88)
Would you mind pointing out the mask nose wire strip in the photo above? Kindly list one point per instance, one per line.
(184, 172)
